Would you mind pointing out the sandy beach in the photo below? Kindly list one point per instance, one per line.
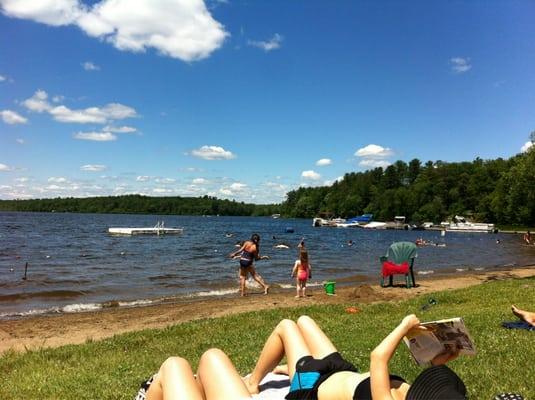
(59, 330)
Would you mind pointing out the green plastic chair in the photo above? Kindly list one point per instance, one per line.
(398, 253)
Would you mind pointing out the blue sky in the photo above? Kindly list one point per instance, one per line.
(247, 100)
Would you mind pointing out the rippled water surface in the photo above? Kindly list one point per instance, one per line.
(74, 264)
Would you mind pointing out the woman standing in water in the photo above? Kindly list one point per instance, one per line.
(249, 252)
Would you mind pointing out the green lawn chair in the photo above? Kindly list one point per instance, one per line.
(399, 253)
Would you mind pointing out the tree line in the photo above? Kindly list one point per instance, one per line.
(499, 191)
(138, 204)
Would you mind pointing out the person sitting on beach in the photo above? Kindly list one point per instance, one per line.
(315, 368)
(527, 237)
(525, 316)
(302, 271)
(249, 252)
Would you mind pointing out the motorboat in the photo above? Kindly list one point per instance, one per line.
(158, 229)
(356, 221)
(460, 224)
(318, 221)
(375, 225)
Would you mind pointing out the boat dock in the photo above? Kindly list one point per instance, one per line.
(158, 229)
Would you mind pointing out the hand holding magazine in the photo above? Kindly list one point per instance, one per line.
(443, 337)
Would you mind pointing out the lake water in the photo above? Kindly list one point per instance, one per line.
(75, 265)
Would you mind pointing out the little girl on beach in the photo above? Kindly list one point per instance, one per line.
(302, 271)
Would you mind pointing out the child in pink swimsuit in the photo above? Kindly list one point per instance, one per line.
(302, 271)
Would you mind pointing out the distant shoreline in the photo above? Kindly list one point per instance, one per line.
(75, 328)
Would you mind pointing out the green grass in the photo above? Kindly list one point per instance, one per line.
(113, 368)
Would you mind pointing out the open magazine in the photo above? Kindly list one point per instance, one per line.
(440, 336)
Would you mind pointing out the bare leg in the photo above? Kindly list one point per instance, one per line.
(219, 377)
(297, 288)
(287, 340)
(304, 289)
(527, 316)
(316, 340)
(243, 277)
(257, 278)
(175, 380)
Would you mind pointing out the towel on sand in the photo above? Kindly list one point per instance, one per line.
(273, 387)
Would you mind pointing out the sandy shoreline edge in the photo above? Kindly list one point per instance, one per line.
(58, 330)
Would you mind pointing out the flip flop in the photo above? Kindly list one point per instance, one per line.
(518, 325)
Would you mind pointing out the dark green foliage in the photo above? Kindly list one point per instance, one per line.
(137, 204)
(499, 191)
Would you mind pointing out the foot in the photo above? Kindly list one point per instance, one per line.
(266, 289)
(253, 389)
(297, 296)
(526, 316)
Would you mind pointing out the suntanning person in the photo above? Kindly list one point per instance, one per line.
(315, 368)
(525, 316)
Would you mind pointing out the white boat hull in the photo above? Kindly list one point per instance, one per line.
(144, 231)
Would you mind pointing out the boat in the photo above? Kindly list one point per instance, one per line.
(275, 216)
(356, 221)
(318, 221)
(375, 225)
(158, 229)
(460, 224)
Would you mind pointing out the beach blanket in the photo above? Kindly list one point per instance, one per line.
(273, 387)
(518, 325)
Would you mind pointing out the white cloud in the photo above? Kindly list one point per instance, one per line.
(97, 115)
(22, 179)
(373, 163)
(181, 29)
(272, 44)
(226, 192)
(95, 136)
(143, 178)
(199, 181)
(20, 141)
(460, 65)
(165, 180)
(12, 118)
(93, 167)
(5, 168)
(57, 179)
(374, 151)
(2, 78)
(323, 162)
(162, 190)
(314, 176)
(213, 153)
(58, 98)
(38, 102)
(238, 187)
(89, 66)
(526, 146)
(119, 129)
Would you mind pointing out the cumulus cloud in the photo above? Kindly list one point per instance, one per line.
(57, 179)
(12, 118)
(20, 141)
(5, 168)
(374, 151)
(272, 44)
(143, 178)
(212, 153)
(2, 78)
(323, 162)
(119, 129)
(95, 136)
(199, 181)
(182, 29)
(93, 167)
(89, 66)
(164, 180)
(312, 175)
(238, 187)
(97, 115)
(526, 146)
(460, 65)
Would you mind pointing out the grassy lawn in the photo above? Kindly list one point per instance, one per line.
(113, 368)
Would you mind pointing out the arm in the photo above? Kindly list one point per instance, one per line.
(381, 355)
(309, 271)
(232, 255)
(296, 266)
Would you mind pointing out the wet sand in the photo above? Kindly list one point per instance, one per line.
(59, 330)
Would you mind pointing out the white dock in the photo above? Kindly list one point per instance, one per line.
(158, 229)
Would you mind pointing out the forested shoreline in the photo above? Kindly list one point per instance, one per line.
(501, 191)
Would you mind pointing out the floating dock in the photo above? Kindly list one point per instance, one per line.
(158, 229)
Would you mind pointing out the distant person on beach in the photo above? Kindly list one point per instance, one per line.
(249, 252)
(315, 368)
(525, 316)
(527, 237)
(302, 271)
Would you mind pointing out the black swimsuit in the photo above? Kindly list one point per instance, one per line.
(246, 259)
(310, 373)
(363, 391)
